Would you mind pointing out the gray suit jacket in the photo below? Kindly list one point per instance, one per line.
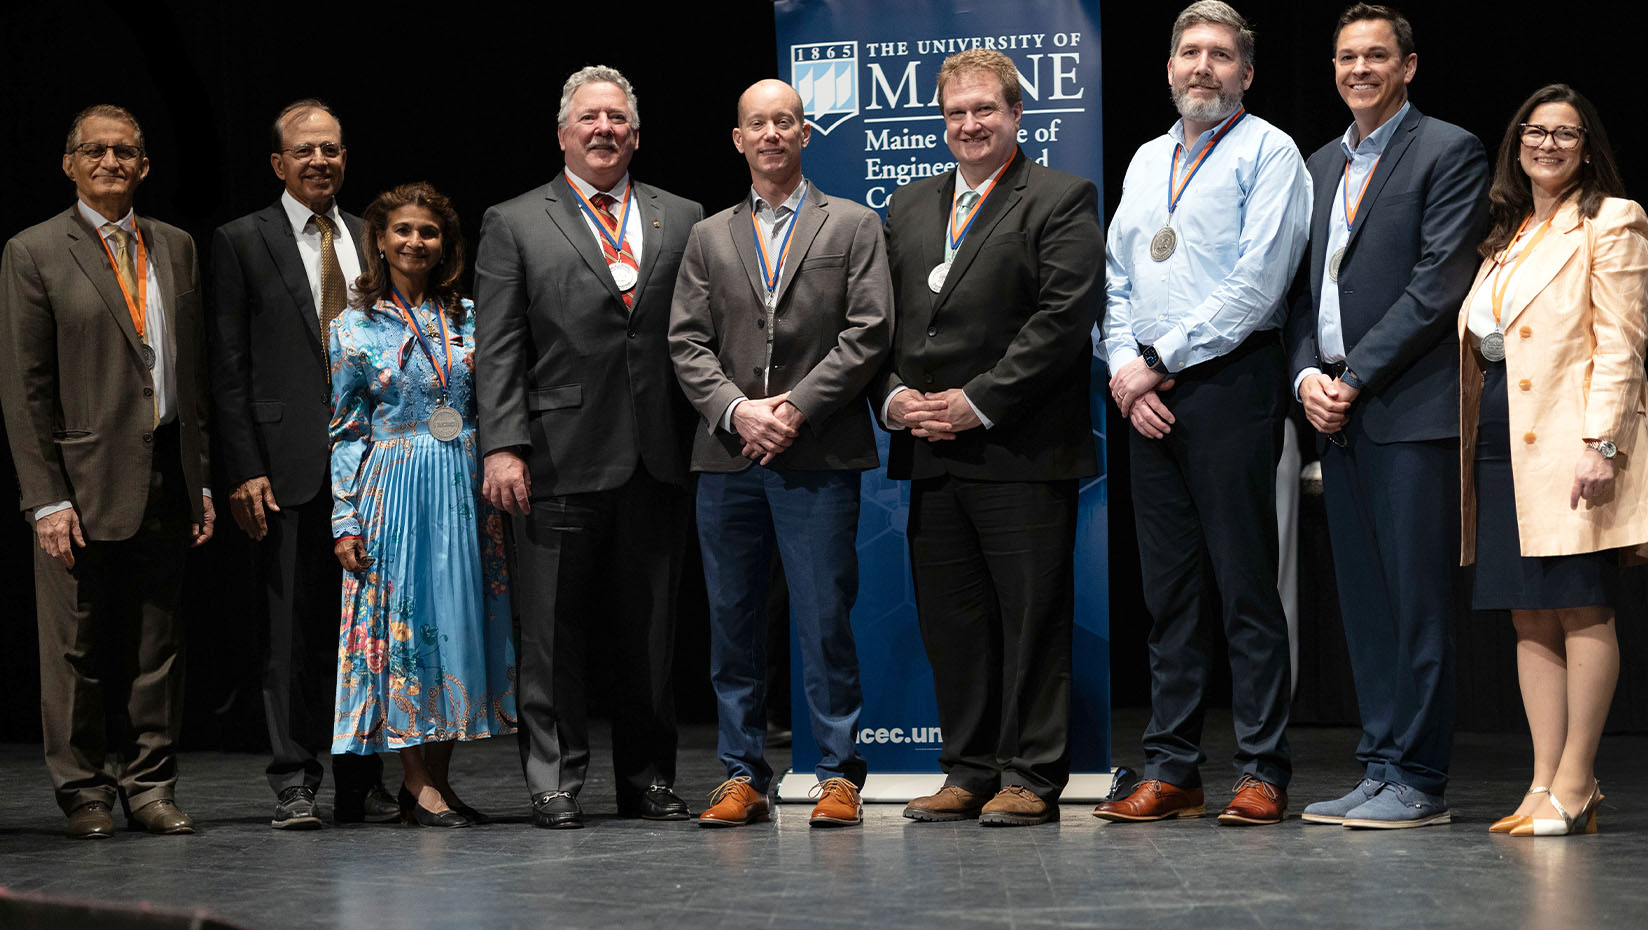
(563, 370)
(78, 400)
(832, 326)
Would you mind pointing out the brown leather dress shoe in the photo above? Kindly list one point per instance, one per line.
(950, 803)
(163, 817)
(734, 803)
(1153, 800)
(90, 821)
(1016, 806)
(838, 804)
(1256, 802)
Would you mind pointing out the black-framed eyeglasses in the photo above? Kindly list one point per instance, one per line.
(94, 151)
(306, 151)
(1565, 137)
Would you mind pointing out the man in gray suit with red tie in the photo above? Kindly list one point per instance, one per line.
(102, 371)
(584, 432)
(783, 313)
(279, 276)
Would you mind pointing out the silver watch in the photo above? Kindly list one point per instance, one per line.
(1604, 446)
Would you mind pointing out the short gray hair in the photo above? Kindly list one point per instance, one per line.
(1217, 13)
(597, 74)
(104, 111)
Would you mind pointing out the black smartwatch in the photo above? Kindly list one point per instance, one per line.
(1151, 359)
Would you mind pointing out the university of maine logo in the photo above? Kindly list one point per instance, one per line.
(825, 74)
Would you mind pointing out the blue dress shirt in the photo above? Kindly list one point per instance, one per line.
(1242, 225)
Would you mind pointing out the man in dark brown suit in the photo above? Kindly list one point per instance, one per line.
(101, 354)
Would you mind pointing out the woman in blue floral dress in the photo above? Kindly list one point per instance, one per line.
(424, 651)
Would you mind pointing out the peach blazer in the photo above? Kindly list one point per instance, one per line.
(1574, 332)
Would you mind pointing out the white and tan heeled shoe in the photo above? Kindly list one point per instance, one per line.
(1583, 821)
(1511, 822)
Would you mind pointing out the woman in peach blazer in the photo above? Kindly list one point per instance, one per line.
(1552, 429)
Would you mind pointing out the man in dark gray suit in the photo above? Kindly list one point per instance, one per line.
(1400, 207)
(584, 432)
(783, 312)
(102, 371)
(279, 276)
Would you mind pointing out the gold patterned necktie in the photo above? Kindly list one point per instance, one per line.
(332, 296)
(126, 266)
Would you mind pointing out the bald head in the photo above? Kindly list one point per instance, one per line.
(770, 94)
(770, 134)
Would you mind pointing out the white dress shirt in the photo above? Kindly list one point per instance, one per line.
(632, 225)
(308, 239)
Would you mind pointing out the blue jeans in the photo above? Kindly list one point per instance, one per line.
(812, 516)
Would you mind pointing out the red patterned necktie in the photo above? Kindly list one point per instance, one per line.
(603, 208)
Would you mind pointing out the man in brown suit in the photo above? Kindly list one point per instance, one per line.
(782, 315)
(101, 353)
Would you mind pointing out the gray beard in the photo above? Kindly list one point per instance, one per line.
(1211, 111)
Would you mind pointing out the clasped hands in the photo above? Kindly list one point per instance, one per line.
(933, 417)
(1327, 402)
(1137, 390)
(768, 426)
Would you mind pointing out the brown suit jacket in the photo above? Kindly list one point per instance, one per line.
(1574, 332)
(78, 399)
(832, 325)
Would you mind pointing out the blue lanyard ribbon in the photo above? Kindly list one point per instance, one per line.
(1173, 168)
(770, 272)
(411, 321)
(617, 242)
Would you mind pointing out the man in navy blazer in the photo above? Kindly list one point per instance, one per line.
(1400, 208)
(272, 282)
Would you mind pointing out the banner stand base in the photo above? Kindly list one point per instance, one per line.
(897, 788)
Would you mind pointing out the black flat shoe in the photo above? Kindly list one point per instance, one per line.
(428, 818)
(658, 803)
(407, 802)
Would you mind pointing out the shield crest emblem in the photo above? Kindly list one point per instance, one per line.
(825, 74)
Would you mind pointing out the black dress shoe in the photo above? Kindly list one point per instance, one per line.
(90, 821)
(374, 805)
(295, 809)
(659, 803)
(557, 810)
(472, 815)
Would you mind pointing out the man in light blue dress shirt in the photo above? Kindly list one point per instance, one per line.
(1213, 220)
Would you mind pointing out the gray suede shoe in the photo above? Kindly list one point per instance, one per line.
(1398, 806)
(1334, 811)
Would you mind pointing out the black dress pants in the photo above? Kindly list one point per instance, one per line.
(1204, 498)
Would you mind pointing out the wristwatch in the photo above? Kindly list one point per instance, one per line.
(1605, 447)
(1151, 359)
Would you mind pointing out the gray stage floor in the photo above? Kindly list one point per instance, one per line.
(891, 872)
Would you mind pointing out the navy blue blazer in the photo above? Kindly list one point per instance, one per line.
(1408, 265)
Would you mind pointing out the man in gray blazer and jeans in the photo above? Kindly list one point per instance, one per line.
(782, 314)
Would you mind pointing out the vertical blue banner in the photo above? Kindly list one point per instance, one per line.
(867, 72)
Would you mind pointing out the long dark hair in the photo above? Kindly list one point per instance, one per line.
(373, 283)
(1511, 198)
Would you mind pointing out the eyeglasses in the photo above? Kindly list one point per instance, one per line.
(94, 151)
(1565, 137)
(306, 151)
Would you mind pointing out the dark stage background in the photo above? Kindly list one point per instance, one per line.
(464, 96)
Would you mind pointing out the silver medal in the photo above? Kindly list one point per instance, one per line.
(1334, 263)
(623, 275)
(1163, 243)
(1493, 346)
(445, 423)
(935, 278)
(148, 355)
